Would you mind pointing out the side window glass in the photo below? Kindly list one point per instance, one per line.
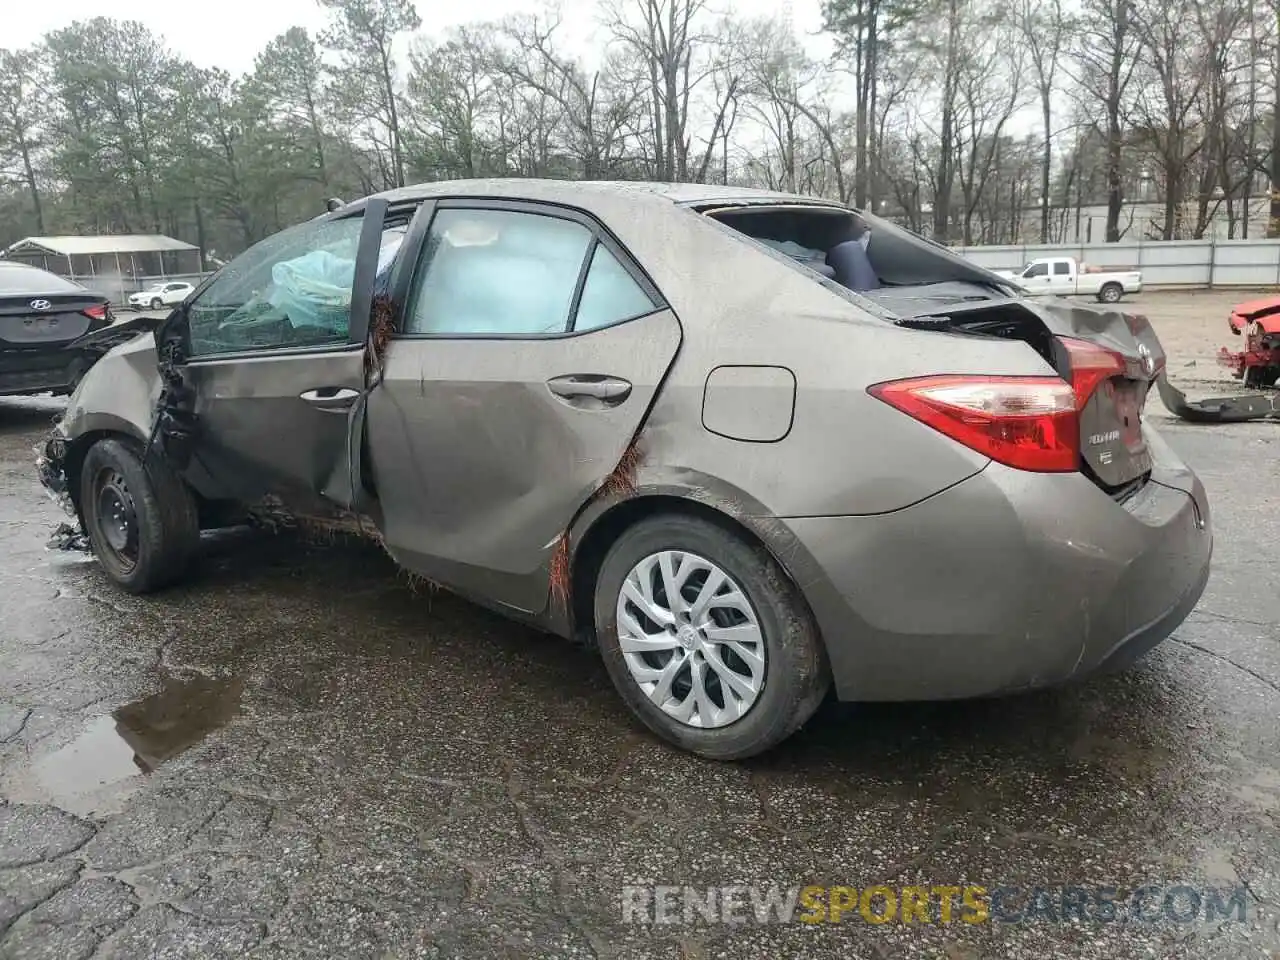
(292, 289)
(1037, 270)
(1061, 269)
(497, 272)
(610, 293)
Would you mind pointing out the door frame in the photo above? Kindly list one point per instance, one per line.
(373, 216)
(406, 274)
(410, 253)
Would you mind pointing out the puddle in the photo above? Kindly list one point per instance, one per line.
(114, 753)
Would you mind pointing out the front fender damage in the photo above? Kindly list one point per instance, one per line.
(131, 390)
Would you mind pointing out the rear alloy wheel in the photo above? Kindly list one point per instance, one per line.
(157, 303)
(1111, 293)
(141, 521)
(706, 639)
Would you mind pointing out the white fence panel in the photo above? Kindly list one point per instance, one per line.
(1168, 263)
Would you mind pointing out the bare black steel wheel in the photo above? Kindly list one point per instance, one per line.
(141, 520)
(705, 637)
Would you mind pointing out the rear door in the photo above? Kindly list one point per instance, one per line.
(529, 350)
(1061, 277)
(275, 344)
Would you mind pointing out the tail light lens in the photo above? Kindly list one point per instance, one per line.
(1030, 423)
(1090, 366)
(96, 312)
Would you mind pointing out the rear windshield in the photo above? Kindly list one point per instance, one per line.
(20, 278)
(778, 252)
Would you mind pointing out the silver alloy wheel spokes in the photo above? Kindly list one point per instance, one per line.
(691, 639)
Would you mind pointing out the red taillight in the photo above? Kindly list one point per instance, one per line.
(96, 312)
(1026, 422)
(1090, 366)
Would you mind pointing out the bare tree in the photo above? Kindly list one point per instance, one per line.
(1042, 28)
(363, 33)
(989, 90)
(1104, 58)
(663, 38)
(596, 110)
(1224, 109)
(1172, 59)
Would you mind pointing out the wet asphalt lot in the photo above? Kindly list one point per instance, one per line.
(300, 755)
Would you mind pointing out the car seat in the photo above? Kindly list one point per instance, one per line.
(852, 266)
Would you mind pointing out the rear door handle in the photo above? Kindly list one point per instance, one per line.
(608, 389)
(331, 399)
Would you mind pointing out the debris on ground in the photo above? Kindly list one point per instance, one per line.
(1238, 409)
(67, 537)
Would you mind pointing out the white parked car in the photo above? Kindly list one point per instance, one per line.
(1068, 277)
(160, 296)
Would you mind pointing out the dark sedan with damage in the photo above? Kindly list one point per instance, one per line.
(747, 444)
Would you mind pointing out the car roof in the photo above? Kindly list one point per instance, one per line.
(20, 271)
(572, 192)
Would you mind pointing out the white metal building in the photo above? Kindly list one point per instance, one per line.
(115, 265)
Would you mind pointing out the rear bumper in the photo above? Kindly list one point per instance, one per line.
(1006, 581)
(40, 371)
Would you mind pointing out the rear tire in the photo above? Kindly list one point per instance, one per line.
(1110, 293)
(784, 686)
(141, 520)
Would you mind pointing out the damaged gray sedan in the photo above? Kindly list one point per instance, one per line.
(749, 445)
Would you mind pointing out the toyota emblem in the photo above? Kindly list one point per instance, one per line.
(40, 304)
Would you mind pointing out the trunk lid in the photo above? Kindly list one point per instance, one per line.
(49, 320)
(1112, 383)
(1110, 357)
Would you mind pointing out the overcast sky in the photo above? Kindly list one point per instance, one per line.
(229, 33)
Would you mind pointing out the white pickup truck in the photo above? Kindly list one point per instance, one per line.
(1067, 277)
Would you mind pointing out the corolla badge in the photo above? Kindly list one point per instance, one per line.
(40, 304)
(1148, 361)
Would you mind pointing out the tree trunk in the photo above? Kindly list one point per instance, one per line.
(946, 177)
(201, 240)
(1273, 223)
(1046, 162)
(30, 173)
(1115, 183)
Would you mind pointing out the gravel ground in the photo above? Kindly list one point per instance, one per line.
(299, 755)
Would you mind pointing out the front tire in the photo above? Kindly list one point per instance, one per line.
(1111, 293)
(141, 520)
(706, 639)
(157, 304)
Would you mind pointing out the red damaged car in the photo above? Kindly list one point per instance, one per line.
(1258, 321)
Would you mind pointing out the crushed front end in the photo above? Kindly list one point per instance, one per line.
(116, 395)
(51, 459)
(1258, 364)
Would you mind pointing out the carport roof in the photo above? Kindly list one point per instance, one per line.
(119, 243)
